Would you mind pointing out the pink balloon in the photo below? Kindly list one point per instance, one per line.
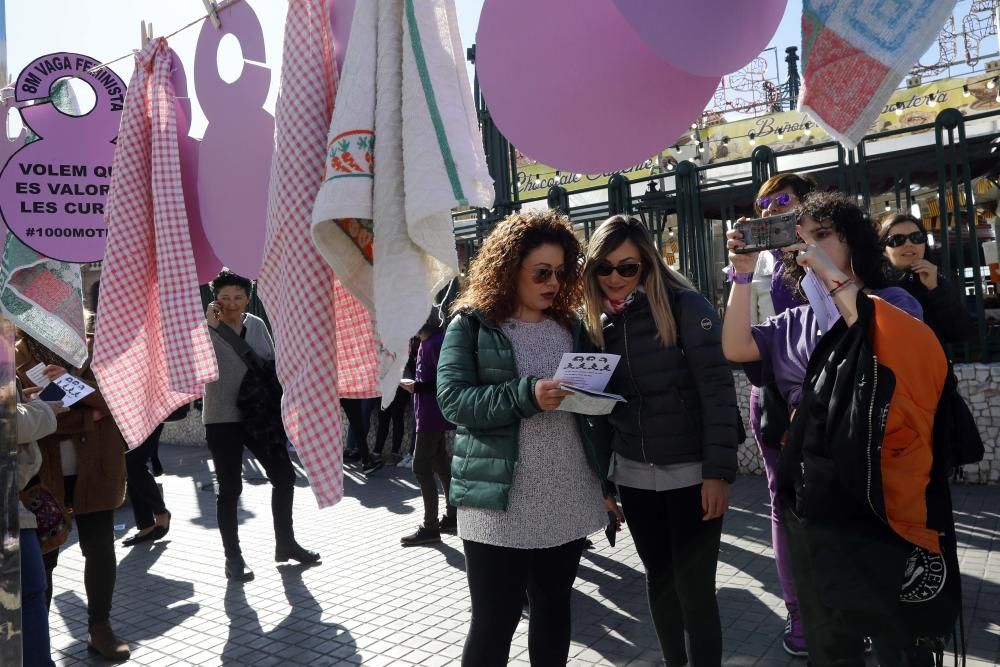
(577, 90)
(704, 38)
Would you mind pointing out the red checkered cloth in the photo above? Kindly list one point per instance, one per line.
(359, 351)
(152, 351)
(296, 285)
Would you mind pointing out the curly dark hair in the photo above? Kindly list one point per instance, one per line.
(854, 226)
(492, 281)
(227, 278)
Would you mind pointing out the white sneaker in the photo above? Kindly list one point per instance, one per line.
(406, 461)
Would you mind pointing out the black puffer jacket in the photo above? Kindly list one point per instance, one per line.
(681, 400)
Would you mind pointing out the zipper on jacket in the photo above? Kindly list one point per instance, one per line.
(868, 446)
(628, 362)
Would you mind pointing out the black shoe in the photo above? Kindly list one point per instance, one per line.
(237, 570)
(423, 535)
(352, 455)
(448, 524)
(373, 465)
(588, 543)
(139, 538)
(157, 468)
(294, 551)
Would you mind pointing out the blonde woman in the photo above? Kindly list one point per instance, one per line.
(673, 443)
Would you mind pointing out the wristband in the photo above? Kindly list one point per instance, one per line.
(841, 285)
(733, 276)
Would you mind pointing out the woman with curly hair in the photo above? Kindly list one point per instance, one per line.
(525, 477)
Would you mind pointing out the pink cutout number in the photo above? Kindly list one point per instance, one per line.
(234, 162)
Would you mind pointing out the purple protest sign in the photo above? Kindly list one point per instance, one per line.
(234, 162)
(52, 191)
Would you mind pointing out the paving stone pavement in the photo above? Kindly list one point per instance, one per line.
(374, 603)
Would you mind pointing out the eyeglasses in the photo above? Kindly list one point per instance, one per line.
(542, 274)
(625, 270)
(780, 199)
(916, 238)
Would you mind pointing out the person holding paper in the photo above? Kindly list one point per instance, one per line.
(83, 465)
(842, 249)
(526, 478)
(673, 443)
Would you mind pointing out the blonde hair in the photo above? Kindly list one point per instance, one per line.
(657, 277)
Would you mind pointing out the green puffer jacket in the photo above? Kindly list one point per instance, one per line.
(480, 391)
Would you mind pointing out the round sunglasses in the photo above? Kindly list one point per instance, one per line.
(780, 199)
(625, 269)
(896, 240)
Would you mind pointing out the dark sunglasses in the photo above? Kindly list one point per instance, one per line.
(896, 240)
(541, 275)
(781, 199)
(625, 270)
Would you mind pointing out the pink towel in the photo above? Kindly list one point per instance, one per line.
(152, 351)
(296, 285)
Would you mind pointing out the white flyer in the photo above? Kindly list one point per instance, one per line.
(68, 389)
(591, 371)
(822, 304)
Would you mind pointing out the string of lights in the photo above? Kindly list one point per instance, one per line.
(700, 144)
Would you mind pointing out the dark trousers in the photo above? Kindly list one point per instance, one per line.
(34, 611)
(498, 579)
(358, 411)
(142, 490)
(680, 553)
(431, 458)
(848, 584)
(96, 534)
(226, 442)
(394, 415)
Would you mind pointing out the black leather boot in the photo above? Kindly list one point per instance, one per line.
(237, 570)
(291, 549)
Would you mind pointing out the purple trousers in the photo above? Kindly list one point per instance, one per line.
(779, 538)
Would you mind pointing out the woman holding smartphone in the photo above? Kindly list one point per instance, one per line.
(673, 443)
(227, 435)
(525, 477)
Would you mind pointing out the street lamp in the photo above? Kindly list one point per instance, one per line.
(652, 209)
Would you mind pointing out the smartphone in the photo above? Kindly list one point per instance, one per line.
(768, 233)
(52, 392)
(612, 528)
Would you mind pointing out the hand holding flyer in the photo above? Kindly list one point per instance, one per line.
(66, 388)
(586, 376)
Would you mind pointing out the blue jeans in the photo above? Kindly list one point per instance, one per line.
(34, 611)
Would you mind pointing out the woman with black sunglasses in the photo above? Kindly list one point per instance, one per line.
(905, 243)
(524, 477)
(672, 445)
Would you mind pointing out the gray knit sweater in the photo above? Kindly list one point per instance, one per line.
(220, 396)
(555, 497)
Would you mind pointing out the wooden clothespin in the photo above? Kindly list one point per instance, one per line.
(145, 33)
(213, 13)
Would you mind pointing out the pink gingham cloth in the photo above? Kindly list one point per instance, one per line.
(296, 285)
(359, 351)
(152, 351)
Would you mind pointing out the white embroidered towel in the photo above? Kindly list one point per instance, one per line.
(397, 248)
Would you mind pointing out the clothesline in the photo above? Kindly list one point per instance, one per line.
(225, 4)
